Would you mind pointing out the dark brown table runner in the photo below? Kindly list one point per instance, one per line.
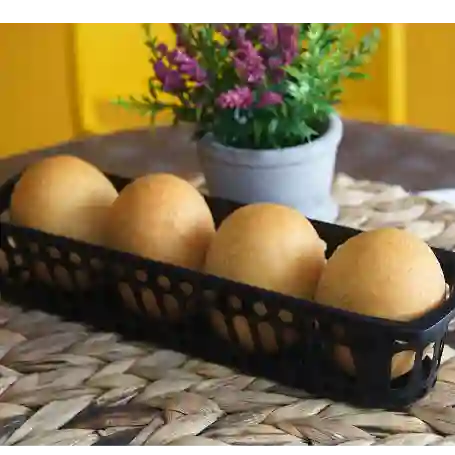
(415, 159)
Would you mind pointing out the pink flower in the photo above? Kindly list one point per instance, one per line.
(240, 97)
(287, 35)
(249, 64)
(270, 99)
(274, 63)
(268, 36)
(288, 39)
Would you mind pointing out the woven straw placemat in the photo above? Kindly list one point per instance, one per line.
(62, 384)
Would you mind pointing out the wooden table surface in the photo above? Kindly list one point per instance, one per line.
(417, 160)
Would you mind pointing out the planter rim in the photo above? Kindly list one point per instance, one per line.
(326, 144)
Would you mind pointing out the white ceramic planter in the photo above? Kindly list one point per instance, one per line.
(300, 177)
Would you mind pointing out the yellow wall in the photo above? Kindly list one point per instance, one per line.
(36, 86)
(57, 80)
(368, 99)
(430, 60)
(112, 60)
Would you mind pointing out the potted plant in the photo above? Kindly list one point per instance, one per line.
(262, 101)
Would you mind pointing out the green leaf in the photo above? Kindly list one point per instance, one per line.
(294, 72)
(273, 125)
(257, 131)
(356, 76)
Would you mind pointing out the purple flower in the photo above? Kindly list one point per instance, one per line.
(238, 36)
(173, 83)
(249, 64)
(233, 33)
(270, 99)
(240, 97)
(187, 65)
(177, 57)
(162, 49)
(224, 29)
(194, 71)
(171, 79)
(161, 70)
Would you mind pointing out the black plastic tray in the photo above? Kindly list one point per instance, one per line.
(149, 301)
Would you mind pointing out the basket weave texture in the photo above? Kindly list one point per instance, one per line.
(62, 384)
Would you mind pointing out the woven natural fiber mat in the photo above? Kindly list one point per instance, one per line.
(62, 384)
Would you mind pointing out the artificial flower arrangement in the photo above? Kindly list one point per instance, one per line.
(254, 86)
